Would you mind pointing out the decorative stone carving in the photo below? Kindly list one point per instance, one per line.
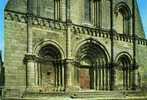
(77, 29)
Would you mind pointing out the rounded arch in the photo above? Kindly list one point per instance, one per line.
(124, 71)
(49, 65)
(45, 43)
(122, 18)
(124, 62)
(123, 54)
(94, 41)
(91, 70)
(124, 8)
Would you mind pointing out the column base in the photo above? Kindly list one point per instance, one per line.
(32, 89)
(73, 89)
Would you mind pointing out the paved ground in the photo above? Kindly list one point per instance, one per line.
(67, 98)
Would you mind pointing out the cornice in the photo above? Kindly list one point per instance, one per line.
(76, 29)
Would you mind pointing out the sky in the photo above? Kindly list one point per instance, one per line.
(2, 4)
(143, 12)
(141, 3)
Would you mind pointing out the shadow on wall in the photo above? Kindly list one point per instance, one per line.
(2, 72)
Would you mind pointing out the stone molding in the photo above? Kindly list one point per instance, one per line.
(76, 29)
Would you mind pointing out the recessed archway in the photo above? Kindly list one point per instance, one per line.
(92, 66)
(123, 72)
(49, 67)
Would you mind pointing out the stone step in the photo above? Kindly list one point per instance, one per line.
(88, 95)
(102, 94)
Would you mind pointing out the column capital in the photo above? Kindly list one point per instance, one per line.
(29, 57)
(134, 66)
(69, 60)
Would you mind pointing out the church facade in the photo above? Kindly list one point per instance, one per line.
(74, 49)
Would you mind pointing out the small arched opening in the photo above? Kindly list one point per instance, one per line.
(123, 16)
(124, 73)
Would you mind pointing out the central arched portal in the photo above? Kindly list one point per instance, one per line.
(92, 68)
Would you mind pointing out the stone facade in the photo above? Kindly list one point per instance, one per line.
(74, 49)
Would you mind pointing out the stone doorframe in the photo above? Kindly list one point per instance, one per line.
(125, 67)
(97, 56)
(35, 58)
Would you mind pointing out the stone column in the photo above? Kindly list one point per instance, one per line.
(69, 75)
(112, 76)
(29, 56)
(69, 62)
(30, 74)
(30, 77)
(60, 76)
(96, 76)
(135, 79)
(134, 76)
(139, 79)
(107, 76)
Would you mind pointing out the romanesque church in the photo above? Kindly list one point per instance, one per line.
(74, 49)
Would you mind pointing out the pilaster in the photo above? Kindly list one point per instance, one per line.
(29, 57)
(68, 61)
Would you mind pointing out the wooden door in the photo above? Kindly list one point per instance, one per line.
(84, 78)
